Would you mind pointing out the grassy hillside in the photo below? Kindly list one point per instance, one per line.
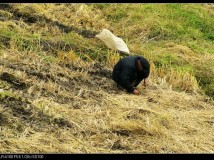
(56, 94)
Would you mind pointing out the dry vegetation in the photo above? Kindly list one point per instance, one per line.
(56, 94)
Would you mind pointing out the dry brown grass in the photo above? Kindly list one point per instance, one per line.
(83, 16)
(102, 120)
(72, 106)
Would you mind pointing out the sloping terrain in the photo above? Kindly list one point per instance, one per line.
(57, 96)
